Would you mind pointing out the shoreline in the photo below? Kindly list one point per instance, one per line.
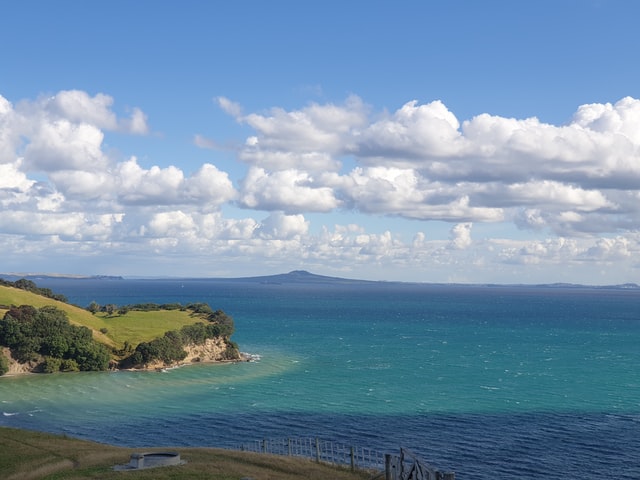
(243, 358)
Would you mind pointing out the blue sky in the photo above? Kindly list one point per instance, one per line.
(461, 141)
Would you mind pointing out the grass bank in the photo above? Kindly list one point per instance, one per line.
(134, 326)
(26, 455)
(77, 316)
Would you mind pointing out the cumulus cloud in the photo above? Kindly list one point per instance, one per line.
(576, 183)
(413, 132)
(11, 178)
(78, 107)
(148, 186)
(422, 162)
(63, 145)
(208, 187)
(279, 225)
(306, 138)
(404, 192)
(73, 226)
(460, 236)
(289, 190)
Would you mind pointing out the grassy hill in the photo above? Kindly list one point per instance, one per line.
(134, 327)
(77, 316)
(28, 455)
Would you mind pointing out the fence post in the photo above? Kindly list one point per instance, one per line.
(448, 476)
(353, 459)
(317, 450)
(264, 445)
(390, 471)
(289, 445)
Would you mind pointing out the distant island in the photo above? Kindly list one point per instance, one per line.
(41, 333)
(305, 277)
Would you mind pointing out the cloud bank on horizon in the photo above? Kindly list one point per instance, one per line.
(518, 195)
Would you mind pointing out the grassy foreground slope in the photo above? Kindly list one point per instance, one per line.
(28, 455)
(134, 327)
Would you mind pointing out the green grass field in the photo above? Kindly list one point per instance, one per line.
(26, 455)
(135, 326)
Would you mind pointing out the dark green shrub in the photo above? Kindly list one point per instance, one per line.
(51, 365)
(4, 364)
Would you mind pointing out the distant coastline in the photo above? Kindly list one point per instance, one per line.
(12, 276)
(305, 277)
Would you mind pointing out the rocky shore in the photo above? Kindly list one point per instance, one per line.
(212, 351)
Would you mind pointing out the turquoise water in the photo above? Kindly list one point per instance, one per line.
(485, 381)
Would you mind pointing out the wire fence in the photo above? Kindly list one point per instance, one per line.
(321, 451)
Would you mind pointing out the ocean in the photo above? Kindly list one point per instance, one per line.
(486, 381)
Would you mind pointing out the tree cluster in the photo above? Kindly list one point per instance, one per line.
(46, 337)
(110, 308)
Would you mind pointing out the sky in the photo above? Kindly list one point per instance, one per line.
(429, 141)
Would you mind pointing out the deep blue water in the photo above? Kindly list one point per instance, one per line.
(491, 382)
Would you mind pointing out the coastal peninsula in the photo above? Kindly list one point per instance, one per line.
(41, 333)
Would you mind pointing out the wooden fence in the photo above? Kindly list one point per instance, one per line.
(320, 451)
(406, 466)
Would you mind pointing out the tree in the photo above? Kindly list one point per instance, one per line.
(25, 284)
(93, 307)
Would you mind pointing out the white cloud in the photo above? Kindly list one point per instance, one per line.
(232, 108)
(305, 139)
(148, 186)
(209, 186)
(577, 184)
(9, 134)
(11, 178)
(291, 191)
(413, 132)
(314, 128)
(280, 160)
(78, 107)
(171, 224)
(617, 248)
(622, 118)
(67, 225)
(137, 124)
(460, 236)
(403, 192)
(81, 184)
(422, 162)
(281, 226)
(63, 145)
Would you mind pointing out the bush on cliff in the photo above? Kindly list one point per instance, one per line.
(169, 348)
